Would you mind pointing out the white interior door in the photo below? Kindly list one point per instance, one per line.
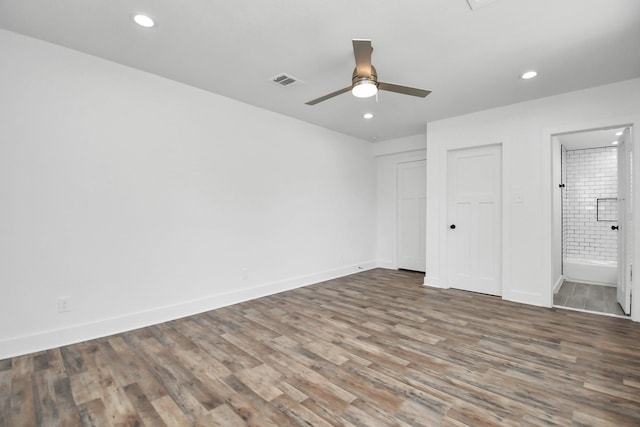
(475, 224)
(625, 222)
(412, 191)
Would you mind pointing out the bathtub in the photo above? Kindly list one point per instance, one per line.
(591, 271)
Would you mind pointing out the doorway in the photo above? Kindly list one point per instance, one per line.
(592, 196)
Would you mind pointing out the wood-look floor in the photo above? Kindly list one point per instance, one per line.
(371, 349)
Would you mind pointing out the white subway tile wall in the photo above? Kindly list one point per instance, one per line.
(589, 175)
(563, 178)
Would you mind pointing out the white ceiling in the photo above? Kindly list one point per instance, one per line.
(590, 139)
(471, 60)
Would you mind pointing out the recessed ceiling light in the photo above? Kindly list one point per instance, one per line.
(619, 133)
(614, 143)
(529, 75)
(367, 115)
(144, 21)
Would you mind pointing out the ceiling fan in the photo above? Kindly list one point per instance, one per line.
(364, 82)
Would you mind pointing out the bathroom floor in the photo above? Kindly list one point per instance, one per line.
(588, 297)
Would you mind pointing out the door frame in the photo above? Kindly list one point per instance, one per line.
(623, 221)
(546, 144)
(437, 226)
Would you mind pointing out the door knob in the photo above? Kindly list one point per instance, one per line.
(614, 227)
(452, 226)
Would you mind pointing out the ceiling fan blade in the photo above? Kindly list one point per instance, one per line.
(331, 95)
(405, 90)
(362, 51)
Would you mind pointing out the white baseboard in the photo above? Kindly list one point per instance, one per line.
(389, 265)
(557, 285)
(531, 298)
(591, 282)
(46, 340)
(434, 283)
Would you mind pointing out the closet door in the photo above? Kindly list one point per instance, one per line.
(412, 183)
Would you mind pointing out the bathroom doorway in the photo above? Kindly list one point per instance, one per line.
(592, 172)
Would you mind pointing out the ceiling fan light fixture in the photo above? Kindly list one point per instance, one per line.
(364, 88)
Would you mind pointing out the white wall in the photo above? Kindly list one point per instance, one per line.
(144, 199)
(525, 131)
(388, 155)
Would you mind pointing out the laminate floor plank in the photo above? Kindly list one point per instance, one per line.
(170, 413)
(181, 386)
(5, 383)
(145, 410)
(46, 410)
(298, 413)
(254, 408)
(92, 413)
(372, 349)
(22, 409)
(222, 416)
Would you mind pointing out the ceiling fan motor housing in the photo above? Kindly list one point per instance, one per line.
(370, 79)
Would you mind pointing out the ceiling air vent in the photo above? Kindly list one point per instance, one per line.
(477, 4)
(284, 79)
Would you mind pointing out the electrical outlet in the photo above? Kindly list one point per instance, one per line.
(245, 273)
(64, 304)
